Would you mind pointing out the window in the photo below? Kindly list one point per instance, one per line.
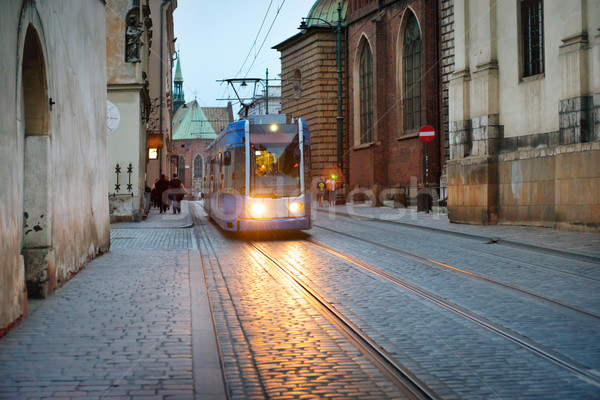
(532, 36)
(198, 167)
(181, 168)
(366, 94)
(412, 75)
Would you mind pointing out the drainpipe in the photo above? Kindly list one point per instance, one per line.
(161, 99)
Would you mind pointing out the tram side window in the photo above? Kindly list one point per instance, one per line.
(238, 163)
(307, 164)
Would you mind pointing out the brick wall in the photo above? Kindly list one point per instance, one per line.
(314, 97)
(395, 156)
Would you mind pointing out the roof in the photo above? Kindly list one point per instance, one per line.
(194, 122)
(325, 10)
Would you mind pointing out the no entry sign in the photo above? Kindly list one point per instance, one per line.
(427, 133)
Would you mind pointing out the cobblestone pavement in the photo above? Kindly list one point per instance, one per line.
(136, 322)
(581, 243)
(274, 344)
(452, 356)
(121, 328)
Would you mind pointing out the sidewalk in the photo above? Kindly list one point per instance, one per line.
(136, 322)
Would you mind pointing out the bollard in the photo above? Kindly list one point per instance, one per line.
(424, 201)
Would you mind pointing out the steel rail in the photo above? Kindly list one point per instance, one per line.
(531, 249)
(582, 370)
(471, 274)
(590, 258)
(398, 374)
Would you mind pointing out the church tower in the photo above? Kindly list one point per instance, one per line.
(178, 96)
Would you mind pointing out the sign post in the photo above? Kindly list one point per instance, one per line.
(427, 134)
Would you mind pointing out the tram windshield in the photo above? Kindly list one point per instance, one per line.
(274, 161)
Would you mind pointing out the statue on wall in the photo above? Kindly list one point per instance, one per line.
(132, 37)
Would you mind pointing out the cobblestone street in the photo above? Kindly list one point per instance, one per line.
(137, 322)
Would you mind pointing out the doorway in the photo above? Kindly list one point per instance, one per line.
(37, 252)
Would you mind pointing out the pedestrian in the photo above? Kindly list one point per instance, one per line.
(162, 186)
(153, 196)
(320, 192)
(330, 188)
(177, 192)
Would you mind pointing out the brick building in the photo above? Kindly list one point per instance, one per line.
(309, 81)
(397, 57)
(194, 128)
(394, 89)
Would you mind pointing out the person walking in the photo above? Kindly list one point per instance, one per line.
(176, 193)
(161, 187)
(320, 192)
(153, 197)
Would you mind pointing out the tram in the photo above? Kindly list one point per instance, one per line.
(256, 175)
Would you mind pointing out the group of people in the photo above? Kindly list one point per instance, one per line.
(167, 192)
(326, 190)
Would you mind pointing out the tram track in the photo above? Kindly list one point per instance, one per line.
(396, 372)
(583, 371)
(589, 258)
(430, 262)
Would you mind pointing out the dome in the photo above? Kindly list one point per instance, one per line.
(326, 10)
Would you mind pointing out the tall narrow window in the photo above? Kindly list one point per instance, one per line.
(532, 33)
(366, 94)
(198, 167)
(181, 168)
(412, 75)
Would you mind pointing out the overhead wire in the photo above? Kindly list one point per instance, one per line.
(266, 36)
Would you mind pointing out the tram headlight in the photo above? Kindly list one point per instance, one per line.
(256, 210)
(296, 208)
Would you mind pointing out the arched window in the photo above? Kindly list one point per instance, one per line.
(366, 93)
(198, 167)
(181, 169)
(297, 83)
(412, 75)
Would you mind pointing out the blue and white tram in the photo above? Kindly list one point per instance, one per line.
(256, 175)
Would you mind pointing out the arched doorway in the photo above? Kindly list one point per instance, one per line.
(37, 206)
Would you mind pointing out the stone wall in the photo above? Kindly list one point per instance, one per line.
(551, 186)
(53, 113)
(447, 68)
(524, 149)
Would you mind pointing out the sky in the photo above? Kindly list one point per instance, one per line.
(222, 39)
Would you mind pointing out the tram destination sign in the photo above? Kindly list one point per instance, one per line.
(427, 133)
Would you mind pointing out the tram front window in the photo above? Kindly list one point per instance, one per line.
(275, 161)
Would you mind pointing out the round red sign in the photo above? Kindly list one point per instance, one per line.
(427, 133)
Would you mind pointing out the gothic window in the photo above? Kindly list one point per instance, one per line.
(181, 168)
(532, 36)
(366, 94)
(198, 172)
(411, 60)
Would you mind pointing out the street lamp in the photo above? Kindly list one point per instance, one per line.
(338, 55)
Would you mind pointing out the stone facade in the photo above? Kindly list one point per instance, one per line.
(127, 93)
(162, 52)
(53, 203)
(524, 148)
